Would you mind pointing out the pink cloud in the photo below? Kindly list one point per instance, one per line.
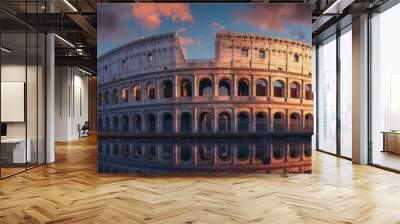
(188, 41)
(149, 15)
(217, 27)
(275, 17)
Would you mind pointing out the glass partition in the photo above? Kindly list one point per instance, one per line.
(346, 92)
(22, 101)
(326, 102)
(385, 89)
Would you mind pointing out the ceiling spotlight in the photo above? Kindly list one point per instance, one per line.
(70, 5)
(5, 50)
(64, 40)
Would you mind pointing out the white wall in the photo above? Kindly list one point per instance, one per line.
(71, 102)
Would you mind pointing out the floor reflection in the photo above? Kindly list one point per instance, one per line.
(135, 156)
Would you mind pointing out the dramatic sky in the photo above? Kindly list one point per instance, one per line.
(197, 23)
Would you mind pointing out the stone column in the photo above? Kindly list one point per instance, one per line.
(215, 120)
(194, 86)
(176, 88)
(176, 119)
(234, 120)
(195, 121)
(215, 84)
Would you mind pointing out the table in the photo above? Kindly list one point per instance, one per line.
(391, 141)
(13, 150)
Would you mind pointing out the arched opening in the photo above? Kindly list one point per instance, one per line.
(294, 151)
(186, 122)
(185, 153)
(100, 124)
(243, 152)
(261, 88)
(243, 122)
(309, 122)
(125, 123)
(107, 98)
(205, 122)
(99, 99)
(137, 123)
(279, 122)
(167, 121)
(279, 89)
(294, 90)
(308, 92)
(224, 122)
(107, 124)
(278, 150)
(186, 88)
(295, 123)
(151, 91)
(166, 89)
(137, 92)
(224, 152)
(167, 152)
(261, 122)
(115, 123)
(296, 57)
(243, 87)
(205, 87)
(124, 95)
(115, 97)
(151, 123)
(224, 87)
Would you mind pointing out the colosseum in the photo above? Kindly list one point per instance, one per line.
(255, 87)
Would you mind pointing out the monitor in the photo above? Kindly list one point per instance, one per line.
(3, 129)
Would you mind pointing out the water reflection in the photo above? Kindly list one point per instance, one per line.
(134, 156)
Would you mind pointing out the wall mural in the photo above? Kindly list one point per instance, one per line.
(204, 88)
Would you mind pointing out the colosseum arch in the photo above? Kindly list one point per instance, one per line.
(224, 122)
(107, 124)
(100, 124)
(224, 87)
(294, 122)
(205, 87)
(309, 122)
(308, 92)
(151, 123)
(151, 90)
(279, 122)
(136, 123)
(262, 87)
(295, 90)
(243, 87)
(115, 123)
(166, 89)
(107, 97)
(136, 92)
(115, 96)
(124, 94)
(167, 123)
(186, 88)
(205, 122)
(279, 88)
(243, 122)
(261, 122)
(100, 99)
(186, 122)
(125, 122)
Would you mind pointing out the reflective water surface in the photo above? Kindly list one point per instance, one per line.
(124, 155)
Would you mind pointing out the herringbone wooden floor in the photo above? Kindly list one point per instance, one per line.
(70, 191)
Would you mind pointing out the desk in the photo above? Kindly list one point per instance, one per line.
(391, 141)
(15, 148)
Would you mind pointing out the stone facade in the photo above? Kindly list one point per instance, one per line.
(254, 84)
